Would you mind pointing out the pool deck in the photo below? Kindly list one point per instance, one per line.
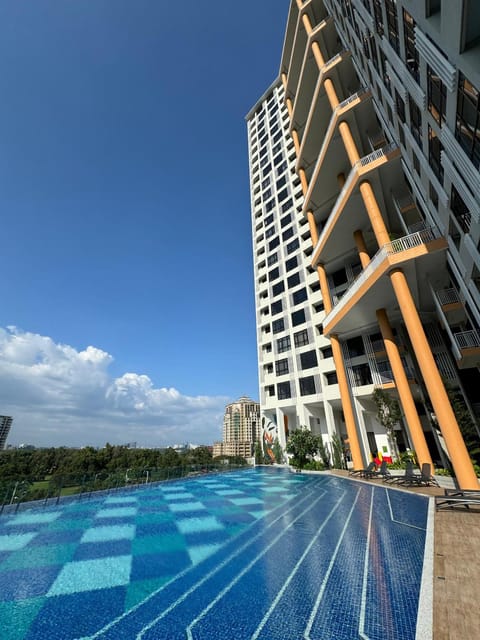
(456, 570)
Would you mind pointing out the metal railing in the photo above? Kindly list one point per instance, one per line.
(447, 296)
(39, 492)
(467, 339)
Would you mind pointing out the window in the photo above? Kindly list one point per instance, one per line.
(282, 195)
(286, 206)
(460, 211)
(331, 378)
(281, 183)
(293, 246)
(467, 130)
(434, 151)
(392, 23)
(411, 52)
(293, 280)
(308, 359)
(273, 244)
(285, 220)
(307, 386)
(299, 296)
(386, 78)
(269, 205)
(400, 107)
(273, 274)
(281, 367)
(269, 232)
(416, 164)
(377, 10)
(437, 96)
(361, 375)
(278, 325)
(270, 390)
(301, 338)
(326, 352)
(266, 169)
(269, 220)
(288, 233)
(265, 182)
(298, 317)
(272, 259)
(276, 307)
(415, 121)
(355, 347)
(291, 264)
(278, 288)
(283, 390)
(283, 344)
(433, 195)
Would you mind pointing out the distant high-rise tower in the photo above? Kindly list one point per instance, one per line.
(5, 424)
(241, 429)
(365, 191)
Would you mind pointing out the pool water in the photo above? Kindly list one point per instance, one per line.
(260, 553)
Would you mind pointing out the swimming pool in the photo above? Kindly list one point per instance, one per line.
(261, 554)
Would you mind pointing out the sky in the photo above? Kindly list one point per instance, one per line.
(126, 285)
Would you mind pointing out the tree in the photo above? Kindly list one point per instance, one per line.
(388, 414)
(277, 451)
(258, 453)
(467, 426)
(322, 450)
(337, 452)
(302, 444)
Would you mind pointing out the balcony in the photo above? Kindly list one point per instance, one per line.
(466, 347)
(372, 290)
(338, 228)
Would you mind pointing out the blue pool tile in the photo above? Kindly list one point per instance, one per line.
(66, 617)
(114, 532)
(158, 544)
(57, 537)
(156, 528)
(121, 500)
(195, 525)
(139, 590)
(179, 496)
(89, 575)
(186, 507)
(19, 584)
(33, 518)
(118, 512)
(162, 564)
(229, 492)
(16, 617)
(243, 502)
(91, 550)
(200, 552)
(39, 556)
(15, 541)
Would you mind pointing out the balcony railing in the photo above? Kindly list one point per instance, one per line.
(396, 246)
(447, 296)
(467, 339)
(358, 94)
(377, 154)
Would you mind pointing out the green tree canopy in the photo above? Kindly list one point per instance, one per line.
(303, 445)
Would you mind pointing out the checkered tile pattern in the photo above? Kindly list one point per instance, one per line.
(103, 556)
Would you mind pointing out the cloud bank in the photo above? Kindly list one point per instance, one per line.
(60, 396)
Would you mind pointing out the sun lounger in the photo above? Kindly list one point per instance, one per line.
(458, 498)
(369, 472)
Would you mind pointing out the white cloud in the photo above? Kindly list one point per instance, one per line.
(61, 396)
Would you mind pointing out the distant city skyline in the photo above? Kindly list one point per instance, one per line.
(127, 290)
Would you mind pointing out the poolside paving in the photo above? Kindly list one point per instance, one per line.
(456, 570)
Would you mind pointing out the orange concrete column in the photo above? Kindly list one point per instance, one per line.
(289, 104)
(361, 248)
(284, 79)
(436, 390)
(374, 214)
(349, 142)
(350, 423)
(404, 391)
(312, 224)
(303, 180)
(296, 141)
(324, 288)
(331, 93)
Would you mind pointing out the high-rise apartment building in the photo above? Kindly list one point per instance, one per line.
(5, 424)
(241, 429)
(370, 142)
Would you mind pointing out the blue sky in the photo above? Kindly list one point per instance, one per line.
(125, 215)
